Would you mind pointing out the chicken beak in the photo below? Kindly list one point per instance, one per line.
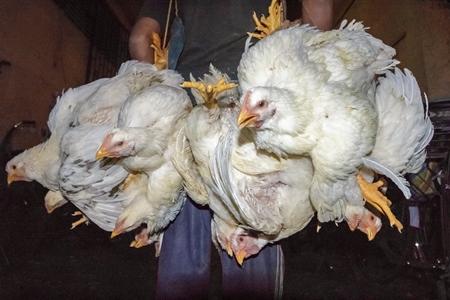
(11, 178)
(115, 233)
(118, 229)
(240, 257)
(102, 152)
(246, 118)
(370, 234)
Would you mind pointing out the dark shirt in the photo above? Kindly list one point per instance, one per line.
(215, 31)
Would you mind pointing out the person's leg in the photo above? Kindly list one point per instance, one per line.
(184, 262)
(259, 277)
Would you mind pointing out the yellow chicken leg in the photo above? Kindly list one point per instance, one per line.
(82, 220)
(140, 241)
(268, 25)
(209, 92)
(371, 194)
(161, 54)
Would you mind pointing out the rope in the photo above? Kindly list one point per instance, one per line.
(167, 24)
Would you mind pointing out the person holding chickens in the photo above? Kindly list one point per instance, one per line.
(210, 32)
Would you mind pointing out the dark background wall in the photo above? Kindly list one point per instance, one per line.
(43, 52)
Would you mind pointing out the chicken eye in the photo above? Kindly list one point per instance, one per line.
(14, 167)
(120, 143)
(262, 103)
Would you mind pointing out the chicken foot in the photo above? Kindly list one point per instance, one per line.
(140, 239)
(372, 195)
(82, 220)
(268, 25)
(161, 54)
(209, 92)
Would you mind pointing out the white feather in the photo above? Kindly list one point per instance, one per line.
(397, 178)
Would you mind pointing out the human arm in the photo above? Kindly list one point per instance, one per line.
(140, 40)
(318, 13)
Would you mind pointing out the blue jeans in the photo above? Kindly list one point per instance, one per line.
(184, 263)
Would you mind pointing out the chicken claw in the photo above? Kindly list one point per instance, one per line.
(161, 54)
(268, 25)
(318, 227)
(209, 92)
(82, 220)
(138, 243)
(372, 195)
(141, 239)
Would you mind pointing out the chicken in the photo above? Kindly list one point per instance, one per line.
(89, 103)
(92, 184)
(104, 105)
(404, 131)
(245, 230)
(216, 97)
(82, 120)
(306, 92)
(89, 184)
(148, 125)
(41, 162)
(269, 197)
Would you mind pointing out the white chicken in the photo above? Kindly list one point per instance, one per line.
(41, 162)
(312, 92)
(404, 131)
(104, 105)
(91, 185)
(81, 122)
(269, 196)
(148, 125)
(241, 231)
(261, 200)
(95, 102)
(216, 99)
